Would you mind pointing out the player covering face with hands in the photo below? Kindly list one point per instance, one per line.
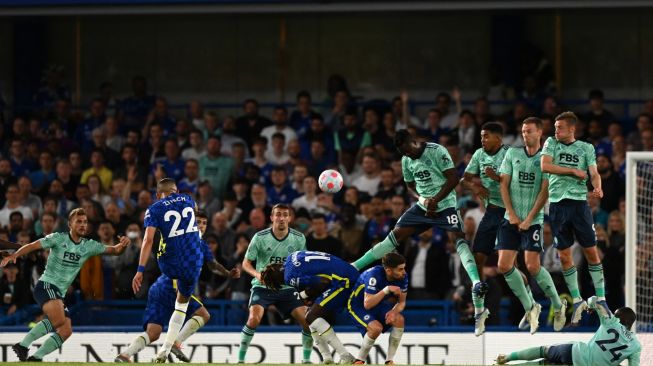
(68, 253)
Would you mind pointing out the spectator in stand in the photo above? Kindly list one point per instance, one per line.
(300, 119)
(599, 215)
(468, 132)
(239, 154)
(211, 125)
(206, 200)
(379, 225)
(114, 139)
(196, 115)
(161, 115)
(135, 109)
(619, 155)
(20, 163)
(280, 120)
(647, 140)
(614, 259)
(280, 191)
(349, 233)
(229, 137)
(16, 224)
(182, 132)
(432, 130)
(240, 288)
(250, 124)
(27, 198)
(127, 263)
(276, 153)
(95, 119)
(402, 114)
(550, 107)
(387, 187)
(216, 168)
(41, 178)
(596, 136)
(319, 239)
(596, 111)
(334, 119)
(231, 210)
(307, 201)
(172, 165)
(98, 168)
(319, 159)
(256, 223)
(191, 178)
(634, 141)
(6, 178)
(351, 137)
(348, 168)
(318, 131)
(111, 157)
(13, 204)
(443, 104)
(113, 215)
(428, 269)
(196, 148)
(64, 205)
(226, 236)
(14, 290)
(371, 178)
(153, 149)
(259, 158)
(611, 184)
(299, 172)
(482, 111)
(130, 169)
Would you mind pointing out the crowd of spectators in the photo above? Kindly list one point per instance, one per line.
(108, 157)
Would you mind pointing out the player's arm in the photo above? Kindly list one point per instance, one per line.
(249, 268)
(549, 167)
(469, 181)
(315, 289)
(146, 250)
(596, 181)
(633, 360)
(448, 186)
(372, 300)
(604, 313)
(118, 248)
(219, 269)
(401, 304)
(540, 201)
(507, 200)
(23, 250)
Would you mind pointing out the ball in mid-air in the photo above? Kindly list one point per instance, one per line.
(330, 181)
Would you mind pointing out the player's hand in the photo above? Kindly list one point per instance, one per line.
(482, 192)
(394, 290)
(234, 273)
(580, 174)
(431, 204)
(525, 225)
(597, 192)
(390, 317)
(490, 172)
(513, 219)
(259, 278)
(9, 259)
(124, 241)
(137, 281)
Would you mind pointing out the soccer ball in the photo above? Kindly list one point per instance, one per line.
(330, 181)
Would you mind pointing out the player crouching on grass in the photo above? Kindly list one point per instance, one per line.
(612, 343)
(68, 253)
(376, 304)
(326, 281)
(161, 304)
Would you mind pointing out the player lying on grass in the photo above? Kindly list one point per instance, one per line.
(161, 305)
(431, 177)
(612, 343)
(68, 252)
(376, 303)
(326, 281)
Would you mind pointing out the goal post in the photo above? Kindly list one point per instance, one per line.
(639, 246)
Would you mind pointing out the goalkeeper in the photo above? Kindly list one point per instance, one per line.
(612, 343)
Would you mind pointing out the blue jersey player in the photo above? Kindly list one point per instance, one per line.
(326, 281)
(376, 304)
(179, 255)
(161, 304)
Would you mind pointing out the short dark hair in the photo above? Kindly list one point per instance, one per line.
(250, 100)
(401, 138)
(627, 316)
(596, 94)
(393, 260)
(568, 116)
(318, 216)
(493, 127)
(281, 107)
(16, 213)
(278, 168)
(279, 135)
(317, 116)
(303, 94)
(281, 206)
(201, 214)
(533, 120)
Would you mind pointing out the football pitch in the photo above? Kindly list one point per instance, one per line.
(152, 364)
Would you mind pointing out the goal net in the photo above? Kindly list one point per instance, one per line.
(639, 246)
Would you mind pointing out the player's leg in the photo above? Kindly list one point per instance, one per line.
(200, 316)
(586, 234)
(151, 334)
(41, 295)
(413, 221)
(256, 311)
(299, 314)
(516, 283)
(527, 354)
(373, 331)
(316, 319)
(54, 310)
(395, 337)
(184, 290)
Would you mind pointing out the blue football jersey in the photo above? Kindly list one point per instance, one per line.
(174, 218)
(206, 251)
(374, 280)
(303, 269)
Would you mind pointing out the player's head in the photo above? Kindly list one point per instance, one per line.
(627, 316)
(491, 136)
(531, 131)
(281, 216)
(165, 187)
(272, 276)
(202, 220)
(394, 265)
(406, 144)
(565, 126)
(77, 221)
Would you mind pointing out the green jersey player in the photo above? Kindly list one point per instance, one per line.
(567, 161)
(68, 252)
(485, 164)
(612, 343)
(269, 246)
(431, 177)
(524, 189)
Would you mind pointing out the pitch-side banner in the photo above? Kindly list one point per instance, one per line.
(415, 348)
